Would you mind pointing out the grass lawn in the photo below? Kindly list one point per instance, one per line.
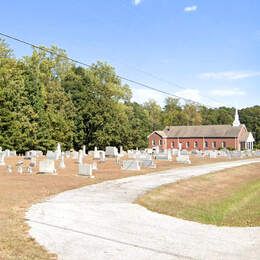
(19, 192)
(226, 198)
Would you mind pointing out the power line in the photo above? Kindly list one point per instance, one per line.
(119, 76)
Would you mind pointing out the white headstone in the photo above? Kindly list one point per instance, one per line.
(102, 156)
(58, 151)
(96, 154)
(62, 163)
(85, 170)
(94, 166)
(111, 151)
(75, 155)
(183, 159)
(2, 158)
(9, 168)
(80, 159)
(131, 165)
(47, 166)
(84, 150)
(20, 169)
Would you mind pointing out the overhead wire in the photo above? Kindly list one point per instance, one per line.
(197, 103)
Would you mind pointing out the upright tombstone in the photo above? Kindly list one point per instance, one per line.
(9, 169)
(84, 150)
(62, 163)
(85, 170)
(179, 149)
(67, 153)
(51, 155)
(257, 153)
(33, 162)
(47, 166)
(157, 149)
(131, 165)
(96, 154)
(102, 156)
(111, 151)
(94, 166)
(58, 151)
(212, 154)
(75, 155)
(183, 159)
(80, 158)
(20, 169)
(2, 158)
(147, 163)
(164, 156)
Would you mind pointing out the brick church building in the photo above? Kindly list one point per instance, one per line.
(203, 137)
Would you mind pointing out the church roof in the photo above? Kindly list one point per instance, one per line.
(201, 131)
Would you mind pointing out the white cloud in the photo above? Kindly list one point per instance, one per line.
(189, 9)
(141, 95)
(228, 92)
(229, 75)
(192, 94)
(137, 2)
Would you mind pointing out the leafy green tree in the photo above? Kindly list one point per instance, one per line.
(154, 114)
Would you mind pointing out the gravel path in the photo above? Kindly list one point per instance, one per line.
(101, 222)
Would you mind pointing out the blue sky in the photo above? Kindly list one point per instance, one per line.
(209, 48)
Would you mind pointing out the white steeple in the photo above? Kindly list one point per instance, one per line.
(236, 121)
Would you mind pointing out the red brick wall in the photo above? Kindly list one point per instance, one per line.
(157, 139)
(167, 143)
(230, 143)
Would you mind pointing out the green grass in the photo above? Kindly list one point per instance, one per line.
(236, 204)
(240, 208)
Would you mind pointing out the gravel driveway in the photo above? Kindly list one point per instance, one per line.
(101, 222)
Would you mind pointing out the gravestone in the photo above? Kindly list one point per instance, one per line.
(147, 163)
(29, 170)
(164, 156)
(62, 163)
(85, 170)
(96, 154)
(2, 158)
(102, 156)
(51, 155)
(67, 154)
(131, 165)
(80, 158)
(257, 153)
(47, 166)
(20, 169)
(12, 153)
(111, 151)
(94, 166)
(58, 151)
(7, 152)
(75, 155)
(33, 162)
(212, 154)
(183, 159)
(184, 152)
(9, 168)
(84, 150)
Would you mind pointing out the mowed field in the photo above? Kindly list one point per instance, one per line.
(19, 192)
(226, 198)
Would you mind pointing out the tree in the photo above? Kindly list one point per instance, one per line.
(154, 114)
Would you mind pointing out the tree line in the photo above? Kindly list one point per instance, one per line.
(45, 99)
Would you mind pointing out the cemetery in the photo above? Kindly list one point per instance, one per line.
(35, 175)
(29, 178)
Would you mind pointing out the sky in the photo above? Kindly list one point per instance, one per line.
(207, 51)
